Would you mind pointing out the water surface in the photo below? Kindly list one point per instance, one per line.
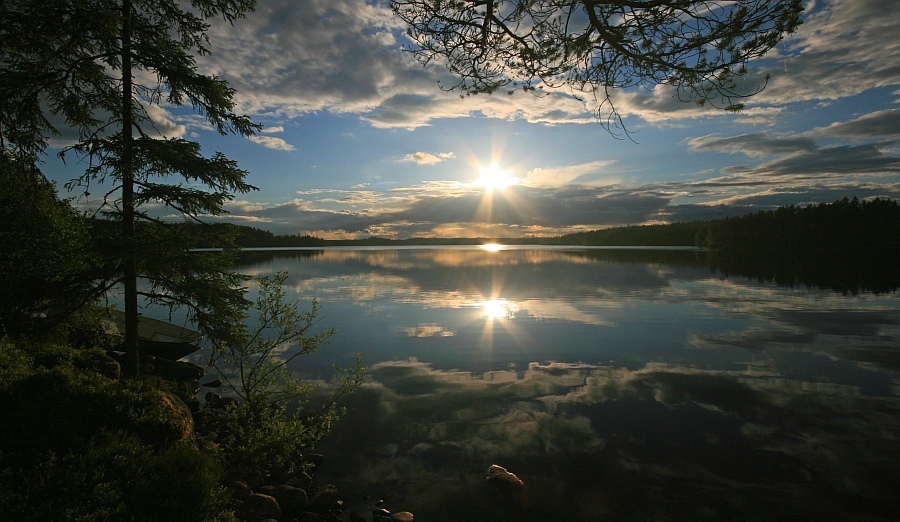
(618, 384)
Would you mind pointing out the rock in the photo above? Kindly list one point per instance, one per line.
(240, 490)
(301, 480)
(403, 516)
(259, 507)
(381, 512)
(356, 517)
(292, 500)
(179, 415)
(324, 498)
(503, 481)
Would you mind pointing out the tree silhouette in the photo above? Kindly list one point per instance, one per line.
(98, 66)
(698, 46)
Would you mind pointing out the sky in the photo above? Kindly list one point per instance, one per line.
(359, 140)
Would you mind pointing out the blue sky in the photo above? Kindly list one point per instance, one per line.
(359, 140)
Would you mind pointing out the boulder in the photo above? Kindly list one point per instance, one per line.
(179, 415)
(300, 480)
(240, 490)
(292, 500)
(402, 516)
(260, 507)
(503, 481)
(323, 499)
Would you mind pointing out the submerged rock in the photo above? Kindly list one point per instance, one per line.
(503, 481)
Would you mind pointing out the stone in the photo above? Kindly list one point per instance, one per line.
(381, 512)
(356, 517)
(503, 481)
(179, 415)
(292, 500)
(259, 506)
(240, 490)
(402, 516)
(323, 499)
(301, 480)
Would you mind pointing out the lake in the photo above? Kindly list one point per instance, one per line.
(618, 384)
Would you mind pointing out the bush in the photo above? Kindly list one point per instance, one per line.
(75, 445)
(256, 431)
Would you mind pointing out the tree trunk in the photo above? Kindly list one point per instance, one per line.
(132, 355)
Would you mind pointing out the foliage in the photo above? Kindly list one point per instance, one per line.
(673, 234)
(75, 445)
(698, 46)
(268, 424)
(102, 68)
(849, 245)
(46, 268)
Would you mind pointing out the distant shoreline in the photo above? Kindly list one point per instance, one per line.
(473, 246)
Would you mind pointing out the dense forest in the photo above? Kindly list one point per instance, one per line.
(848, 245)
(865, 229)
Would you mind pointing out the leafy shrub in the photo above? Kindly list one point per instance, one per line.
(75, 445)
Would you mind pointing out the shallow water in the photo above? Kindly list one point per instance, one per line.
(617, 384)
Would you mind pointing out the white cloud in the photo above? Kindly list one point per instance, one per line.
(271, 142)
(585, 174)
(426, 158)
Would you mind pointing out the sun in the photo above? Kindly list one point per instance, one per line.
(494, 177)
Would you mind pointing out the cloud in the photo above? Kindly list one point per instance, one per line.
(426, 158)
(585, 174)
(271, 142)
(272, 130)
(754, 145)
(428, 434)
(877, 125)
(841, 50)
(343, 56)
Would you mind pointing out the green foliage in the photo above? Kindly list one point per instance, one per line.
(117, 476)
(75, 445)
(848, 245)
(268, 424)
(673, 234)
(99, 65)
(46, 268)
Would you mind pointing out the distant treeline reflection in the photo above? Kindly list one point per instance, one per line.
(849, 246)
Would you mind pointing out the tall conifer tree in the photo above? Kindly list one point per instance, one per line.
(97, 66)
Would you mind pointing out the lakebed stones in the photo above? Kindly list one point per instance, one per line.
(503, 481)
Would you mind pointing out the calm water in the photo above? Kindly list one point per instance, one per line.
(618, 384)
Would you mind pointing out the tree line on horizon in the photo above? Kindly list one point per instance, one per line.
(856, 225)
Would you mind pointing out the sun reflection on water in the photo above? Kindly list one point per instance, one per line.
(498, 309)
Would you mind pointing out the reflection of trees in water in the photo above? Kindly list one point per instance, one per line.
(641, 256)
(256, 258)
(849, 246)
(842, 273)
